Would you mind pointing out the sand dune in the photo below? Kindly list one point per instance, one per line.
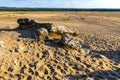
(22, 58)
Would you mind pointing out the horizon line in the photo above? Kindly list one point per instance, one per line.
(56, 7)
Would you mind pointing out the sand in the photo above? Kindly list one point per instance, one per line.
(22, 58)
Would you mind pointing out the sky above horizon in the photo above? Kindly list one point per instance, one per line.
(61, 3)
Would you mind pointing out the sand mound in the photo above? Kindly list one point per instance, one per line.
(25, 59)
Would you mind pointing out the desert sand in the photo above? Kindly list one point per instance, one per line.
(22, 58)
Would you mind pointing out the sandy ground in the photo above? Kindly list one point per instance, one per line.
(21, 58)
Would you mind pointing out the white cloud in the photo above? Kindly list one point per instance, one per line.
(62, 3)
(93, 4)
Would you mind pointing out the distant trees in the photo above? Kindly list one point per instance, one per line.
(53, 9)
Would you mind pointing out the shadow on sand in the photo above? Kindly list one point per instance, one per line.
(97, 75)
(26, 33)
(32, 34)
(112, 55)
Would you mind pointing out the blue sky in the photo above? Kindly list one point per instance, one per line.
(62, 3)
